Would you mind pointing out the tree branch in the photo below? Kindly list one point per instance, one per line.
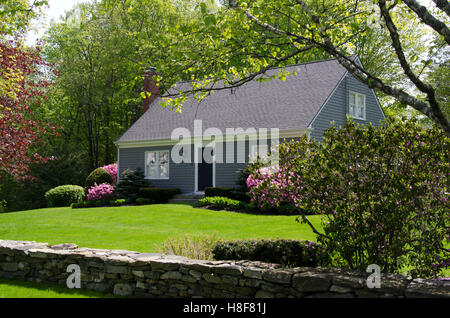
(443, 5)
(429, 19)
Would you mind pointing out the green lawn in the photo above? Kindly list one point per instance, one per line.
(21, 289)
(137, 228)
(143, 228)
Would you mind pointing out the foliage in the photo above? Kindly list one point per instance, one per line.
(22, 88)
(98, 176)
(384, 193)
(223, 203)
(145, 201)
(64, 195)
(269, 187)
(243, 176)
(131, 181)
(218, 192)
(112, 170)
(16, 15)
(193, 247)
(3, 205)
(101, 51)
(235, 194)
(69, 168)
(392, 37)
(118, 202)
(99, 203)
(289, 253)
(158, 195)
(101, 192)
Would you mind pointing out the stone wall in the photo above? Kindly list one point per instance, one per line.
(136, 274)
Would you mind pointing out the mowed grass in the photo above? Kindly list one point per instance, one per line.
(20, 289)
(137, 228)
(144, 228)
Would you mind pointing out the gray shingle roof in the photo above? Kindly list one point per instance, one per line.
(273, 104)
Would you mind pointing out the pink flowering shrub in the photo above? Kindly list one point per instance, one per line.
(112, 170)
(383, 193)
(270, 187)
(103, 191)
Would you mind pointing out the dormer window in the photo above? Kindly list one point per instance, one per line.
(357, 105)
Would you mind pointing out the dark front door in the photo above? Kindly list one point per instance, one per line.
(205, 171)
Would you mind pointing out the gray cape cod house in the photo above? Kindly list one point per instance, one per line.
(307, 103)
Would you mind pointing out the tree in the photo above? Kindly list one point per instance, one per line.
(15, 15)
(19, 131)
(383, 194)
(101, 52)
(242, 40)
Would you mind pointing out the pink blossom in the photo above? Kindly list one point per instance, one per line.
(112, 170)
(103, 191)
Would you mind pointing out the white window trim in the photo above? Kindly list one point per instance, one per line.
(356, 98)
(146, 166)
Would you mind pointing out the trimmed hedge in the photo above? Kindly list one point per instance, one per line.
(64, 195)
(218, 192)
(230, 193)
(99, 203)
(158, 195)
(222, 203)
(98, 176)
(289, 253)
(145, 201)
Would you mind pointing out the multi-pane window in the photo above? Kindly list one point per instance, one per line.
(357, 106)
(157, 164)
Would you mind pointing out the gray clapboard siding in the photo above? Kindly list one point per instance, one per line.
(227, 173)
(337, 107)
(181, 175)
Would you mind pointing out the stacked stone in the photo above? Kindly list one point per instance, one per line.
(127, 273)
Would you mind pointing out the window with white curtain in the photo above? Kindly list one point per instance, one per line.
(357, 105)
(157, 164)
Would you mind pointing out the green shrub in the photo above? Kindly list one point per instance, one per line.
(158, 195)
(98, 176)
(223, 203)
(129, 184)
(383, 192)
(193, 247)
(219, 192)
(145, 201)
(289, 253)
(231, 193)
(3, 206)
(64, 195)
(118, 202)
(288, 209)
(98, 203)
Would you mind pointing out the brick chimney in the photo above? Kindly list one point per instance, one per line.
(150, 86)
